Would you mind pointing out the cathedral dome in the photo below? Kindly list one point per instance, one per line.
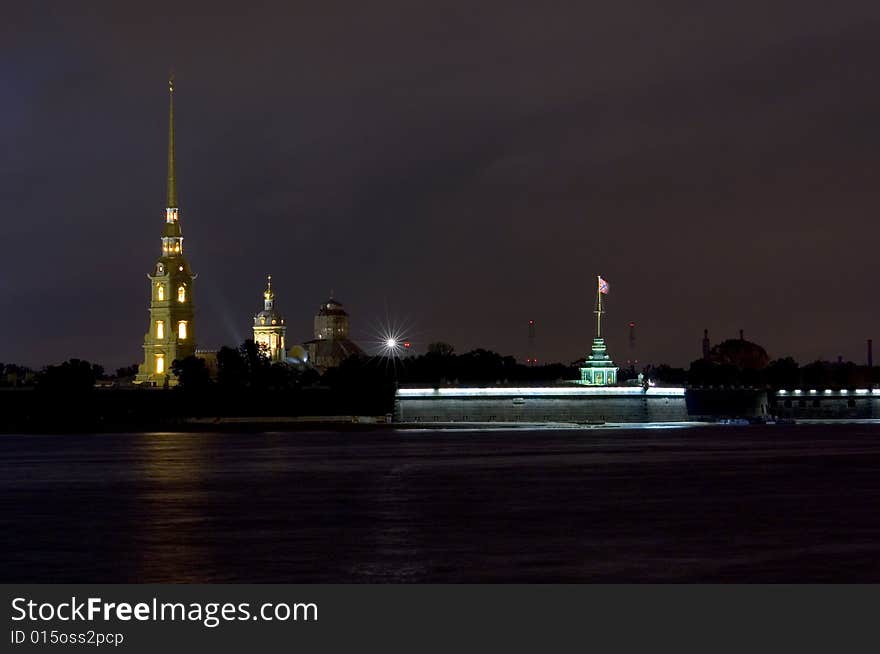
(740, 353)
(270, 317)
(332, 308)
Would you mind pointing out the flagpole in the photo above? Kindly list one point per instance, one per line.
(599, 313)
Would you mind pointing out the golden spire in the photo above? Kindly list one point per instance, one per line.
(172, 177)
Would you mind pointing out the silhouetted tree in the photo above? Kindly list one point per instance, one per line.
(441, 349)
(191, 373)
(709, 373)
(441, 366)
(256, 361)
(74, 375)
(783, 373)
(666, 374)
(816, 374)
(282, 377)
(231, 369)
(739, 353)
(127, 373)
(244, 367)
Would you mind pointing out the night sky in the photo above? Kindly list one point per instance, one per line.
(461, 167)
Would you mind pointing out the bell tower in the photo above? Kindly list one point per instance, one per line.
(171, 332)
(269, 327)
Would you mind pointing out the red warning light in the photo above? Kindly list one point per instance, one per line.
(632, 324)
(407, 344)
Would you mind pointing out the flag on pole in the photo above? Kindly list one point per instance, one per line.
(603, 285)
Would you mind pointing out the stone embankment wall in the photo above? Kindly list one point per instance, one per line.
(541, 405)
(826, 404)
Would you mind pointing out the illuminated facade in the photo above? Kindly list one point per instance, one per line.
(171, 332)
(599, 369)
(269, 327)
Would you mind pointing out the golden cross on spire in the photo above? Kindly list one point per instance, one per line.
(171, 82)
(268, 294)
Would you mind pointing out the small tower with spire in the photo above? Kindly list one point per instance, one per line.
(269, 328)
(598, 368)
(171, 332)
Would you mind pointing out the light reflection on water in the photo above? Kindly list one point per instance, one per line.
(771, 503)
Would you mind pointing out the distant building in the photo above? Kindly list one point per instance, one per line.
(210, 359)
(331, 345)
(269, 327)
(12, 375)
(740, 353)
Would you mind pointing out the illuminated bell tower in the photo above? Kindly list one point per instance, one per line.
(171, 334)
(269, 327)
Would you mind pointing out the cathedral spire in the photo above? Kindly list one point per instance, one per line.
(269, 327)
(172, 242)
(171, 332)
(172, 177)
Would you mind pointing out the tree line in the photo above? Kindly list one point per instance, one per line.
(247, 368)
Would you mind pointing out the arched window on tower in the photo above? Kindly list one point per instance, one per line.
(160, 329)
(160, 292)
(160, 364)
(181, 330)
(181, 293)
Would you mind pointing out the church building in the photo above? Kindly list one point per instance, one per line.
(331, 345)
(269, 327)
(171, 331)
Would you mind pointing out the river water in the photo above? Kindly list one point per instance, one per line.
(724, 503)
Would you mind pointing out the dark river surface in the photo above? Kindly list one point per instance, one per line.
(724, 503)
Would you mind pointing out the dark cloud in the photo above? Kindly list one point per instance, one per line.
(462, 166)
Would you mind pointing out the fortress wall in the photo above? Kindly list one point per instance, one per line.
(627, 404)
(525, 407)
(861, 404)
